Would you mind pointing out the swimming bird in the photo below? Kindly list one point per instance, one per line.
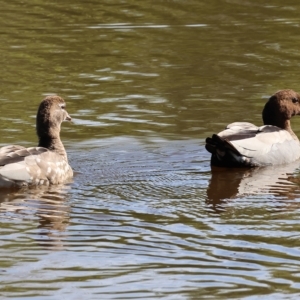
(42, 165)
(243, 144)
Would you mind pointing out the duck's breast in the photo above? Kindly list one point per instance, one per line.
(48, 168)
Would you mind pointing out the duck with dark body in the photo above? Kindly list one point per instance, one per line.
(243, 144)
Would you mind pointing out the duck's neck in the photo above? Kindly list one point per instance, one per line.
(272, 116)
(53, 144)
(287, 127)
(284, 124)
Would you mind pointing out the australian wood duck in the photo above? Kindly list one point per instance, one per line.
(42, 165)
(243, 144)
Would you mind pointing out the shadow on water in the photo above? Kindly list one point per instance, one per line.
(279, 181)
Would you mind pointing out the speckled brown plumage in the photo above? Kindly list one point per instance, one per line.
(43, 165)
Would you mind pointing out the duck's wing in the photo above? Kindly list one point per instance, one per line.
(239, 131)
(244, 144)
(36, 165)
(224, 152)
(14, 153)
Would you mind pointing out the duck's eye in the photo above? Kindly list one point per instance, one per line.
(295, 100)
(63, 106)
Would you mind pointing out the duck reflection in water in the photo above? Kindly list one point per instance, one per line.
(50, 204)
(46, 166)
(228, 183)
(247, 159)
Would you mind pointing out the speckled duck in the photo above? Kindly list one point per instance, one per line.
(45, 164)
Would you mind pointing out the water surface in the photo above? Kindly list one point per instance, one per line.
(145, 216)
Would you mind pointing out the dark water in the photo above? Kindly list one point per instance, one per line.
(145, 216)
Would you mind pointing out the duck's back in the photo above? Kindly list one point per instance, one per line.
(244, 144)
(20, 166)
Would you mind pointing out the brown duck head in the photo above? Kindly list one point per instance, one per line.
(279, 109)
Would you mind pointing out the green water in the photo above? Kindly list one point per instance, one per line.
(145, 83)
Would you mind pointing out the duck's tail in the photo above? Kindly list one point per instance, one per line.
(224, 154)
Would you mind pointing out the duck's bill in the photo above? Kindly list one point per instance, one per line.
(68, 118)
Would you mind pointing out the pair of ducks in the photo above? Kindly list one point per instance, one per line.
(241, 144)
